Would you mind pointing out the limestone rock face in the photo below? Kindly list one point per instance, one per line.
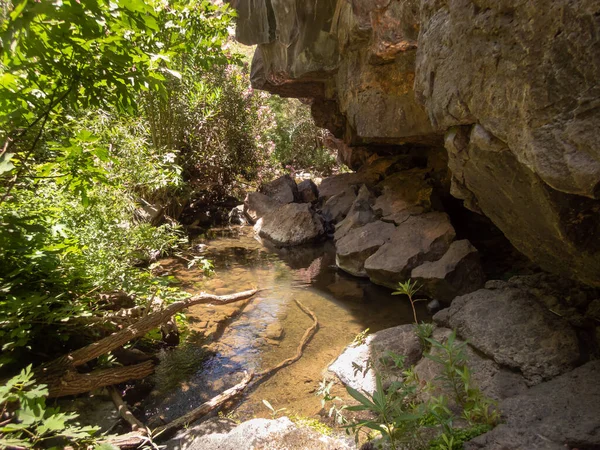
(282, 189)
(515, 330)
(257, 205)
(457, 272)
(291, 224)
(420, 238)
(360, 243)
(512, 87)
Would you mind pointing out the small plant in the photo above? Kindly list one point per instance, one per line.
(274, 411)
(409, 288)
(27, 422)
(336, 412)
(423, 332)
(314, 424)
(393, 416)
(360, 338)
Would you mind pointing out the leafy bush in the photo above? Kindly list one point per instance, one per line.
(26, 421)
(403, 421)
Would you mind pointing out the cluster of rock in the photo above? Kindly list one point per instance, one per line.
(384, 227)
(533, 345)
(508, 90)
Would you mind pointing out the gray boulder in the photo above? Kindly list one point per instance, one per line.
(400, 340)
(353, 249)
(308, 191)
(562, 413)
(456, 273)
(257, 205)
(494, 381)
(336, 208)
(420, 238)
(360, 213)
(510, 326)
(263, 434)
(291, 224)
(282, 189)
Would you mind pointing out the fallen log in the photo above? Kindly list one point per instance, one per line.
(61, 372)
(125, 413)
(129, 441)
(71, 382)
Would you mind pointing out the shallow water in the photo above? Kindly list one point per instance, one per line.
(257, 334)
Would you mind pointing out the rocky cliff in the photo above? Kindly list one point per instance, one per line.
(508, 88)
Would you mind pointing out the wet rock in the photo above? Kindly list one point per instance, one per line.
(433, 306)
(336, 208)
(419, 239)
(291, 224)
(346, 289)
(495, 381)
(257, 205)
(457, 272)
(360, 213)
(562, 413)
(274, 331)
(236, 216)
(263, 434)
(282, 189)
(593, 311)
(353, 249)
(510, 326)
(308, 191)
(400, 340)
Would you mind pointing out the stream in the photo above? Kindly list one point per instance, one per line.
(258, 333)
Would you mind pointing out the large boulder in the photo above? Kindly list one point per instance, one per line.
(420, 238)
(562, 413)
(456, 273)
(257, 205)
(510, 326)
(495, 381)
(373, 353)
(291, 224)
(282, 189)
(265, 434)
(353, 249)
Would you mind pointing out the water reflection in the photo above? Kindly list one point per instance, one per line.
(257, 334)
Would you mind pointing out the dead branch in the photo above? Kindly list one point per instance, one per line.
(125, 413)
(206, 407)
(71, 382)
(308, 334)
(55, 373)
(129, 441)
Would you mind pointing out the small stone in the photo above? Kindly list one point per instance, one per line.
(274, 331)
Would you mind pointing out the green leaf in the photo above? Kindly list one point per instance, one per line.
(5, 164)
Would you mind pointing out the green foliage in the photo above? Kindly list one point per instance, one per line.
(314, 424)
(27, 421)
(409, 288)
(274, 411)
(298, 142)
(78, 167)
(424, 331)
(336, 412)
(360, 338)
(402, 420)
